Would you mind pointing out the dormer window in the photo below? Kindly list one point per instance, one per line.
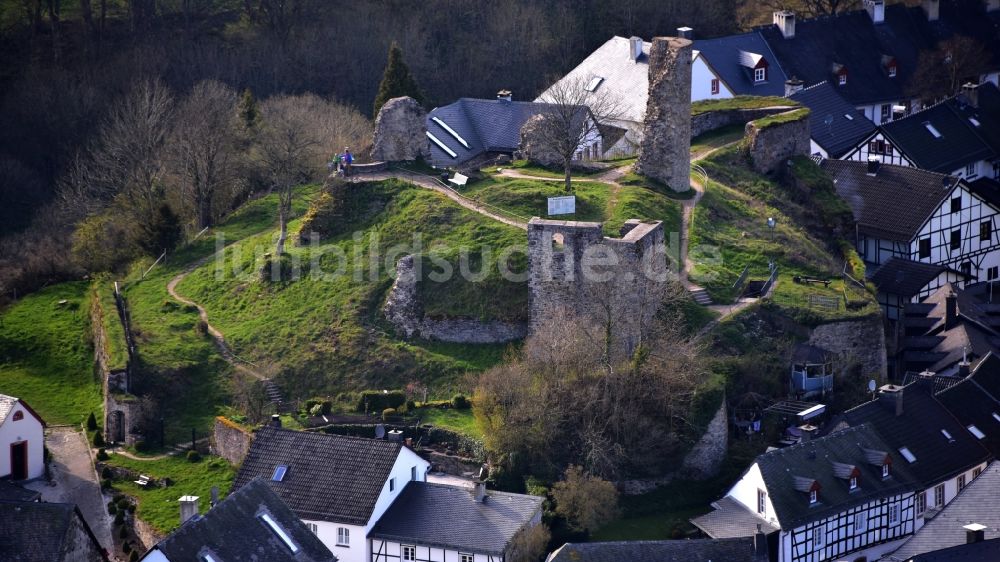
(842, 78)
(809, 486)
(853, 483)
(813, 496)
(886, 468)
(755, 63)
(892, 70)
(759, 74)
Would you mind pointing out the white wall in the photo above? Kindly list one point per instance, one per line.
(389, 551)
(357, 551)
(26, 429)
(950, 491)
(701, 82)
(154, 556)
(745, 492)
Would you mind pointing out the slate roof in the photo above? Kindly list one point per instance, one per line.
(10, 492)
(731, 519)
(959, 143)
(329, 478)
(976, 503)
(918, 429)
(973, 405)
(837, 126)
(485, 125)
(723, 55)
(987, 189)
(894, 203)
(625, 80)
(697, 550)
(781, 468)
(986, 551)
(904, 277)
(233, 531)
(40, 531)
(938, 347)
(853, 40)
(449, 517)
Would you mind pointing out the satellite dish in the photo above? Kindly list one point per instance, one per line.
(871, 385)
(380, 431)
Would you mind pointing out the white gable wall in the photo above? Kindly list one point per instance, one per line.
(745, 492)
(701, 82)
(27, 429)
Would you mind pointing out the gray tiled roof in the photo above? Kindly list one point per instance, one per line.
(450, 517)
(834, 124)
(10, 492)
(730, 519)
(959, 142)
(329, 478)
(42, 532)
(977, 503)
(723, 55)
(973, 405)
(894, 203)
(6, 405)
(905, 278)
(233, 531)
(940, 347)
(698, 550)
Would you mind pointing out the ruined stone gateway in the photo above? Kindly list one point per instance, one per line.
(665, 150)
(574, 268)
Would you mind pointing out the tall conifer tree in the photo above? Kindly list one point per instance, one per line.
(396, 81)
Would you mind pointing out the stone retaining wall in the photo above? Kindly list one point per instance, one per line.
(369, 168)
(405, 311)
(711, 120)
(230, 441)
(705, 459)
(855, 340)
(121, 410)
(770, 145)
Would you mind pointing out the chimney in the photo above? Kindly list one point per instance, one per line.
(634, 48)
(891, 396)
(785, 20)
(950, 310)
(505, 95)
(808, 432)
(970, 92)
(760, 543)
(685, 32)
(992, 5)
(189, 507)
(964, 368)
(931, 9)
(974, 532)
(793, 85)
(874, 163)
(876, 9)
(275, 420)
(479, 491)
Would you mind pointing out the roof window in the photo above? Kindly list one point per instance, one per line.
(594, 83)
(279, 473)
(849, 117)
(932, 129)
(441, 145)
(908, 455)
(976, 431)
(975, 122)
(279, 531)
(451, 131)
(996, 416)
(947, 435)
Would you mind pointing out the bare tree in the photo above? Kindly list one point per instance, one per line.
(202, 148)
(573, 119)
(941, 72)
(810, 8)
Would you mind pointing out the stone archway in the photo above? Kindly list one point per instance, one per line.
(116, 426)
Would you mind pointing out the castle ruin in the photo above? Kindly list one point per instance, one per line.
(574, 268)
(665, 150)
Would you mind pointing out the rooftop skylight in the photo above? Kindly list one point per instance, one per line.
(908, 455)
(279, 531)
(974, 121)
(451, 131)
(594, 83)
(975, 431)
(947, 435)
(849, 117)
(279, 473)
(932, 129)
(441, 145)
(996, 416)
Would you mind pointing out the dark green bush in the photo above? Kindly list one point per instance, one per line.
(388, 413)
(141, 446)
(193, 456)
(126, 547)
(120, 518)
(91, 422)
(98, 440)
(112, 508)
(123, 534)
(377, 400)
(106, 474)
(134, 557)
(123, 503)
(460, 402)
(102, 455)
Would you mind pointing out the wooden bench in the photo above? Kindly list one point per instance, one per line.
(143, 480)
(459, 180)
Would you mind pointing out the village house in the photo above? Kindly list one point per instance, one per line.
(835, 126)
(33, 531)
(22, 440)
(901, 281)
(368, 500)
(251, 524)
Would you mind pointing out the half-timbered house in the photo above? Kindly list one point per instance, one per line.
(846, 495)
(901, 281)
(902, 212)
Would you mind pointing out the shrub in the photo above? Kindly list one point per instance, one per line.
(411, 405)
(134, 557)
(326, 407)
(123, 503)
(377, 400)
(112, 508)
(388, 413)
(141, 446)
(91, 422)
(311, 403)
(201, 328)
(123, 534)
(98, 440)
(126, 547)
(193, 456)
(120, 518)
(460, 402)
(102, 455)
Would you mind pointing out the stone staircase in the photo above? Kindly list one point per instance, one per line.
(274, 395)
(700, 296)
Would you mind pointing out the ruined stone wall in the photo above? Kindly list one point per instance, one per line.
(712, 120)
(121, 410)
(665, 150)
(708, 454)
(405, 311)
(771, 143)
(400, 131)
(575, 269)
(855, 340)
(230, 441)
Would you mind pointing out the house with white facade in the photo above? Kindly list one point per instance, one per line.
(22, 440)
(368, 499)
(912, 214)
(847, 495)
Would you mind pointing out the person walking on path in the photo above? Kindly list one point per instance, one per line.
(337, 161)
(347, 161)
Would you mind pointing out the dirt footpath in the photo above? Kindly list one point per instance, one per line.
(74, 480)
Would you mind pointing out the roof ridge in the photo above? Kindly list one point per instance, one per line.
(332, 435)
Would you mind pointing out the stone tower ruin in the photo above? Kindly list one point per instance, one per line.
(665, 149)
(575, 269)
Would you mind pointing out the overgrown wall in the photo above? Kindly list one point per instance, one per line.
(121, 410)
(772, 140)
(855, 340)
(230, 441)
(711, 120)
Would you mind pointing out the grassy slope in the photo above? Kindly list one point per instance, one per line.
(158, 506)
(461, 421)
(326, 335)
(738, 102)
(46, 354)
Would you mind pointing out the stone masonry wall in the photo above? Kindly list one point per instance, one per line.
(664, 153)
(230, 441)
(121, 410)
(772, 145)
(862, 340)
(708, 454)
(400, 131)
(405, 311)
(711, 120)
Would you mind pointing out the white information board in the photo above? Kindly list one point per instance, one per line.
(565, 205)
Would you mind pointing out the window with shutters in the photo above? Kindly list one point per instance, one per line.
(715, 86)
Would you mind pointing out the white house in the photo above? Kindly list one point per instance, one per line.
(903, 212)
(847, 495)
(22, 440)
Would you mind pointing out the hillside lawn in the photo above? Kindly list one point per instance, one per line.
(461, 421)
(46, 355)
